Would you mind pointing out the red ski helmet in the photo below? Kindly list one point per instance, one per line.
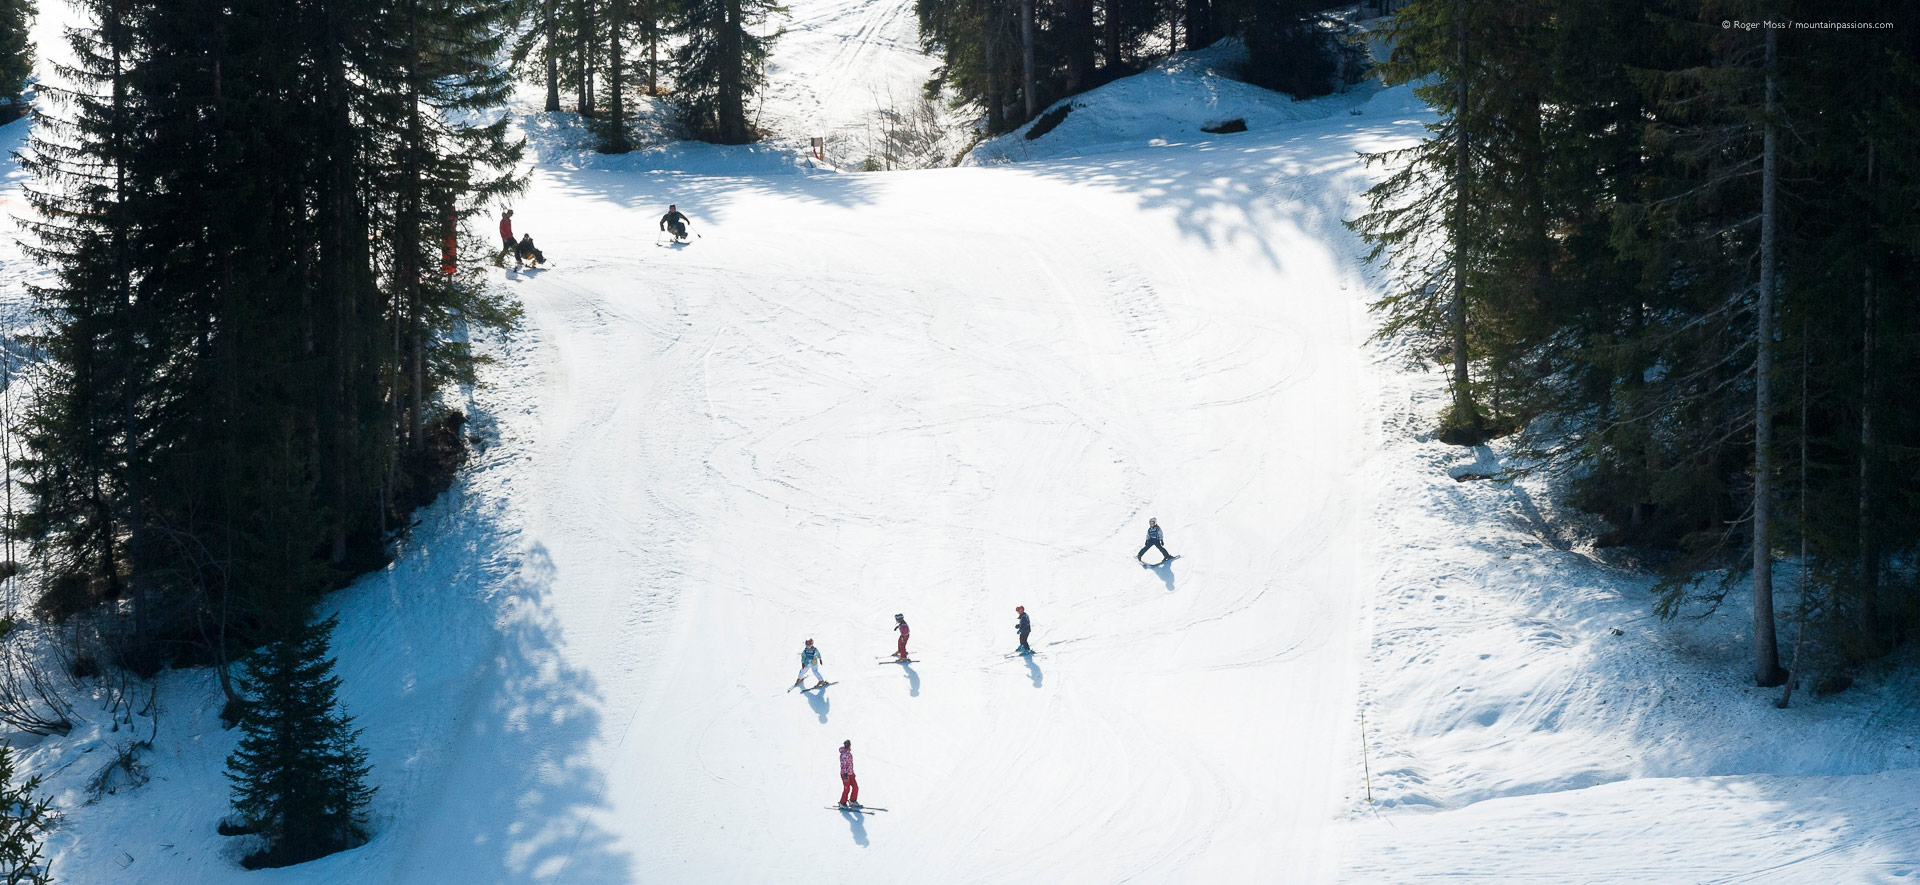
(1020, 608)
(809, 642)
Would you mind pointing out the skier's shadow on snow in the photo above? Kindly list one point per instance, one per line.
(1033, 672)
(858, 823)
(818, 701)
(913, 681)
(1164, 568)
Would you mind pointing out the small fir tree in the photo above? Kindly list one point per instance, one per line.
(299, 775)
(23, 819)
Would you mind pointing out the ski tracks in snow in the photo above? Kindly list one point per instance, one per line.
(788, 433)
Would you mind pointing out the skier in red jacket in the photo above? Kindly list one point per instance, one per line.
(849, 788)
(508, 245)
(900, 624)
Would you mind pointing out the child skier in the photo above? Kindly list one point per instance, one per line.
(900, 625)
(1154, 539)
(849, 788)
(1024, 626)
(810, 659)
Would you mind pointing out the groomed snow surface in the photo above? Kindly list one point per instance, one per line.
(948, 393)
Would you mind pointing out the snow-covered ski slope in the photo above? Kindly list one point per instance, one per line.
(948, 393)
(940, 394)
(837, 62)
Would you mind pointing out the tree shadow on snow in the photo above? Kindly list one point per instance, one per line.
(707, 197)
(481, 732)
(1240, 191)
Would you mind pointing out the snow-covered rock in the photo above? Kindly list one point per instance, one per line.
(1172, 103)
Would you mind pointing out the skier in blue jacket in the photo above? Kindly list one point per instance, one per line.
(810, 659)
(1154, 539)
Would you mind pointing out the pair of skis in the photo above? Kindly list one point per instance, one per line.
(862, 809)
(885, 661)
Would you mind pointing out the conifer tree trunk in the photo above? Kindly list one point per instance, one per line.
(553, 55)
(1027, 89)
(123, 285)
(337, 279)
(1800, 634)
(617, 140)
(408, 242)
(230, 404)
(733, 109)
(1869, 624)
(1765, 645)
(587, 44)
(581, 101)
(1199, 15)
(1113, 48)
(653, 53)
(990, 40)
(1080, 44)
(1464, 413)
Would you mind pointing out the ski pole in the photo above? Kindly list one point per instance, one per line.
(1365, 765)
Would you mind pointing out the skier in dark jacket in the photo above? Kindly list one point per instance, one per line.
(525, 252)
(1024, 626)
(1154, 539)
(675, 222)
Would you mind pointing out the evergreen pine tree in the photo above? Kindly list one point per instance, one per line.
(16, 55)
(85, 191)
(1429, 219)
(244, 204)
(654, 22)
(537, 47)
(299, 774)
(1629, 278)
(1291, 48)
(614, 138)
(722, 63)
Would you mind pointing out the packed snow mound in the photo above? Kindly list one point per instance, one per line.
(1174, 102)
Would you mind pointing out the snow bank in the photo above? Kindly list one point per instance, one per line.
(1167, 105)
(1528, 717)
